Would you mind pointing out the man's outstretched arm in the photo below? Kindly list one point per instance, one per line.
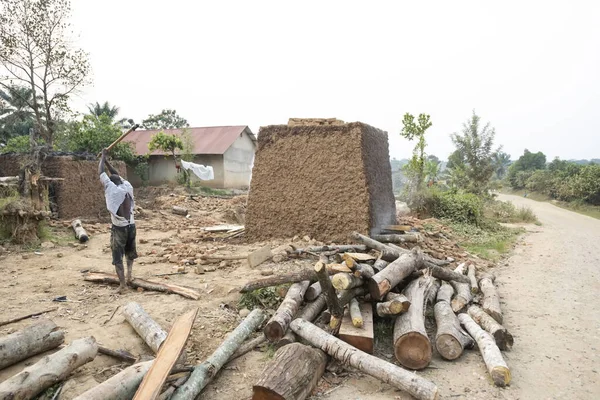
(110, 168)
(102, 161)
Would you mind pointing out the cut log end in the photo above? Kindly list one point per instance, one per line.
(501, 376)
(504, 339)
(448, 346)
(262, 393)
(273, 331)
(378, 290)
(413, 350)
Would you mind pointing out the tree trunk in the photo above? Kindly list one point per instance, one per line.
(405, 238)
(503, 338)
(387, 253)
(49, 370)
(80, 233)
(491, 300)
(364, 271)
(473, 279)
(34, 339)
(442, 273)
(121, 386)
(395, 304)
(293, 277)
(450, 339)
(204, 372)
(345, 281)
(336, 309)
(101, 277)
(381, 283)
(278, 324)
(312, 292)
(144, 325)
(379, 264)
(463, 291)
(167, 357)
(179, 210)
(248, 347)
(417, 386)
(309, 313)
(292, 374)
(491, 354)
(411, 344)
(354, 309)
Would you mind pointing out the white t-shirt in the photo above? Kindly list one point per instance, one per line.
(115, 195)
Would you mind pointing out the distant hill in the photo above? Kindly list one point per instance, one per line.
(583, 162)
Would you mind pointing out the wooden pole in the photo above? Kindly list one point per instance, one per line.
(35, 314)
(463, 290)
(336, 309)
(101, 277)
(450, 338)
(415, 385)
(473, 279)
(123, 136)
(203, 373)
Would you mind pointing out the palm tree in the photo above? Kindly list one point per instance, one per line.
(501, 163)
(98, 109)
(16, 114)
(432, 171)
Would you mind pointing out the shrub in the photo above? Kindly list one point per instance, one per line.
(456, 206)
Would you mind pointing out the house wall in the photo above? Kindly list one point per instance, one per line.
(162, 170)
(238, 160)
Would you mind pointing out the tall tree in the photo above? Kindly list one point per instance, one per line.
(411, 130)
(475, 145)
(167, 119)
(98, 109)
(35, 51)
(501, 163)
(16, 117)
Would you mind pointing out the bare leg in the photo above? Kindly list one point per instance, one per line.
(121, 274)
(129, 270)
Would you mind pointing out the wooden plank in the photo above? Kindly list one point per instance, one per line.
(259, 256)
(222, 228)
(166, 357)
(361, 256)
(397, 228)
(361, 338)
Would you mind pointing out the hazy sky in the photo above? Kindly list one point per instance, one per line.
(531, 68)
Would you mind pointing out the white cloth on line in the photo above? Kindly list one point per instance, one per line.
(202, 172)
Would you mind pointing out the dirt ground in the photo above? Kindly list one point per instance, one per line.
(548, 289)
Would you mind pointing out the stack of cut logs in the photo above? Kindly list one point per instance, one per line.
(349, 285)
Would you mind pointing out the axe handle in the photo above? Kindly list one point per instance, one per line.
(113, 144)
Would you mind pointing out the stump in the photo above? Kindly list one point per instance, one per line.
(120, 386)
(80, 233)
(292, 374)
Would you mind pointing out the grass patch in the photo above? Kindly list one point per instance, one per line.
(489, 241)
(267, 298)
(210, 191)
(506, 212)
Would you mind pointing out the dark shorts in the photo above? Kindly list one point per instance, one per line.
(122, 243)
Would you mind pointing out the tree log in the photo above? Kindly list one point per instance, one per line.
(503, 338)
(179, 210)
(411, 344)
(354, 309)
(304, 275)
(473, 279)
(379, 264)
(309, 313)
(395, 304)
(121, 386)
(364, 271)
(340, 248)
(278, 324)
(450, 339)
(405, 238)
(292, 374)
(152, 333)
(387, 253)
(49, 370)
(336, 309)
(312, 292)
(345, 281)
(445, 292)
(496, 365)
(34, 339)
(204, 372)
(382, 282)
(417, 386)
(248, 347)
(491, 300)
(442, 273)
(463, 291)
(118, 354)
(80, 233)
(101, 277)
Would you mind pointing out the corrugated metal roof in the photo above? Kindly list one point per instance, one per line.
(207, 140)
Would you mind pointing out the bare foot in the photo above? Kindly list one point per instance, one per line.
(122, 289)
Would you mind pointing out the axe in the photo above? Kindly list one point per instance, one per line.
(113, 144)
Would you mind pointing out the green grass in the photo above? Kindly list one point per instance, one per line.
(210, 191)
(578, 207)
(490, 241)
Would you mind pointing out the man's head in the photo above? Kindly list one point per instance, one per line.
(116, 179)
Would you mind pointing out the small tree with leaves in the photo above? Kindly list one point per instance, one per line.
(166, 143)
(415, 169)
(167, 119)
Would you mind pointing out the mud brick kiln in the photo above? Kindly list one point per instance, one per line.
(321, 178)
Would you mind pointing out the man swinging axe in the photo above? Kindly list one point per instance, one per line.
(119, 202)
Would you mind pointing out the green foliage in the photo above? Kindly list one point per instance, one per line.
(36, 52)
(166, 143)
(167, 119)
(18, 144)
(415, 169)
(98, 110)
(455, 206)
(501, 162)
(16, 115)
(141, 167)
(528, 162)
(503, 211)
(92, 134)
(267, 298)
(490, 240)
(474, 156)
